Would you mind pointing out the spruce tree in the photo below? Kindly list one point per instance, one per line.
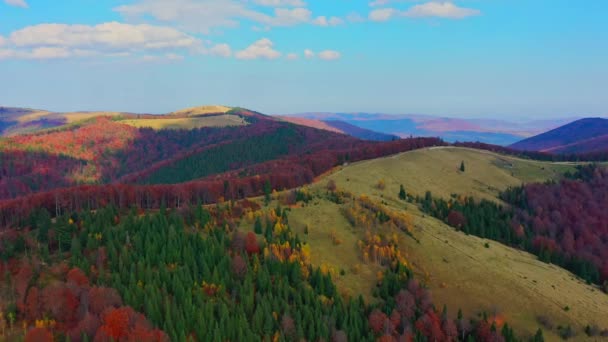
(258, 226)
(462, 166)
(402, 194)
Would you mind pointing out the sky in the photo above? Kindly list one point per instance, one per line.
(530, 59)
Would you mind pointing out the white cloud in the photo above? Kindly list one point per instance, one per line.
(280, 3)
(106, 36)
(205, 15)
(17, 3)
(323, 21)
(329, 55)
(292, 56)
(309, 54)
(52, 41)
(436, 9)
(222, 50)
(289, 17)
(50, 53)
(260, 49)
(383, 14)
(442, 10)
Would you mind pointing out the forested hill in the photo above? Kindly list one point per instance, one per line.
(120, 160)
(582, 136)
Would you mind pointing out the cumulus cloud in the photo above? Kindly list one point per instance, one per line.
(383, 14)
(329, 55)
(205, 15)
(324, 21)
(326, 55)
(106, 36)
(52, 41)
(262, 48)
(16, 3)
(435, 9)
(309, 54)
(441, 9)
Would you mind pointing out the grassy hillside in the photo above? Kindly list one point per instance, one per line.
(202, 110)
(166, 122)
(437, 170)
(459, 269)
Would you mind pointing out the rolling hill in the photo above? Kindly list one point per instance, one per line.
(87, 191)
(15, 121)
(459, 269)
(582, 136)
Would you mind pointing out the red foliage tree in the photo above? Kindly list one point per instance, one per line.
(456, 219)
(116, 323)
(61, 302)
(22, 281)
(377, 320)
(88, 325)
(101, 298)
(77, 277)
(251, 244)
(430, 326)
(406, 304)
(32, 304)
(38, 335)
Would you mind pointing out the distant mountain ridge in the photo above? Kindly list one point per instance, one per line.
(581, 136)
(491, 131)
(343, 127)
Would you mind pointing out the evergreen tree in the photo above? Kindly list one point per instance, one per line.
(258, 226)
(462, 169)
(402, 194)
(267, 192)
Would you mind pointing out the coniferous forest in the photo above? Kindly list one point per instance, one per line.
(190, 274)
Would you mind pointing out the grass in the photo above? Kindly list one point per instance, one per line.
(463, 273)
(69, 117)
(202, 110)
(437, 170)
(322, 218)
(187, 123)
(459, 269)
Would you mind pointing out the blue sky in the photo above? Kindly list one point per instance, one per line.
(469, 58)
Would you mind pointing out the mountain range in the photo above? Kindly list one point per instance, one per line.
(498, 132)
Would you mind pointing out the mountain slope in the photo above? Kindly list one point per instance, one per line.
(585, 135)
(459, 270)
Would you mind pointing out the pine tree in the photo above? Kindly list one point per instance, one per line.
(267, 192)
(402, 194)
(539, 336)
(462, 166)
(258, 226)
